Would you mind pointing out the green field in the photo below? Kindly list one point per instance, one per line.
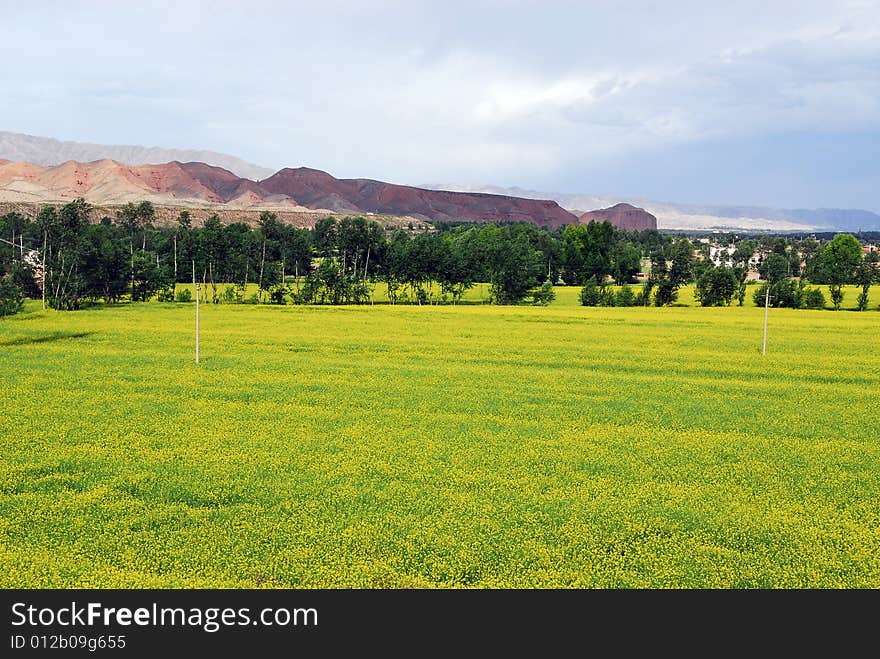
(566, 296)
(438, 446)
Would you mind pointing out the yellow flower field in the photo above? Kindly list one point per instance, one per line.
(438, 446)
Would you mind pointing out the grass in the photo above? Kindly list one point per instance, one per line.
(470, 446)
(566, 296)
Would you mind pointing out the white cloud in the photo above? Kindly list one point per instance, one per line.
(420, 91)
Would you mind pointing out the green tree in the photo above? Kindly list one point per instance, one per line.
(103, 262)
(149, 276)
(270, 230)
(67, 283)
(744, 251)
(716, 286)
(589, 249)
(785, 293)
(837, 265)
(325, 236)
(514, 268)
(47, 223)
(774, 268)
(11, 296)
(667, 292)
(625, 296)
(181, 242)
(681, 271)
(626, 260)
(210, 249)
(866, 274)
(590, 293)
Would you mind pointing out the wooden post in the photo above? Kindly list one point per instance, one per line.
(198, 292)
(766, 310)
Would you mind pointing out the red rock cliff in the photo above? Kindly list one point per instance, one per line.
(623, 216)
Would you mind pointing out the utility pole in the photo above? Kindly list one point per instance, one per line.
(198, 287)
(766, 310)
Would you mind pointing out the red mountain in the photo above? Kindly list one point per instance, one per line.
(110, 182)
(316, 189)
(623, 216)
(195, 184)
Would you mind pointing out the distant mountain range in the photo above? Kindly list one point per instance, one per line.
(49, 152)
(39, 169)
(672, 215)
(195, 184)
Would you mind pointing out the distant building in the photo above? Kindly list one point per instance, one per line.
(722, 255)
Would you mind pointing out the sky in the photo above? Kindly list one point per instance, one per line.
(752, 103)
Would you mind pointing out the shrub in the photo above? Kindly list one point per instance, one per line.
(233, 294)
(786, 294)
(590, 293)
(421, 295)
(11, 296)
(544, 295)
(643, 297)
(667, 293)
(165, 294)
(184, 295)
(625, 296)
(606, 296)
(814, 299)
(276, 295)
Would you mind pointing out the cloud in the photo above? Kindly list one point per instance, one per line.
(502, 92)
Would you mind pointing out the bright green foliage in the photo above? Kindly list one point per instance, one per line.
(590, 293)
(11, 296)
(439, 446)
(624, 296)
(790, 294)
(544, 295)
(814, 299)
(716, 286)
(775, 268)
(837, 266)
(867, 273)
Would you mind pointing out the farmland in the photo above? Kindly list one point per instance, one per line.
(440, 446)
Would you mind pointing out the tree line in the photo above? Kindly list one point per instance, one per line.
(67, 257)
(785, 268)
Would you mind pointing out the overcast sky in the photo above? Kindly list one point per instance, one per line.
(772, 103)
